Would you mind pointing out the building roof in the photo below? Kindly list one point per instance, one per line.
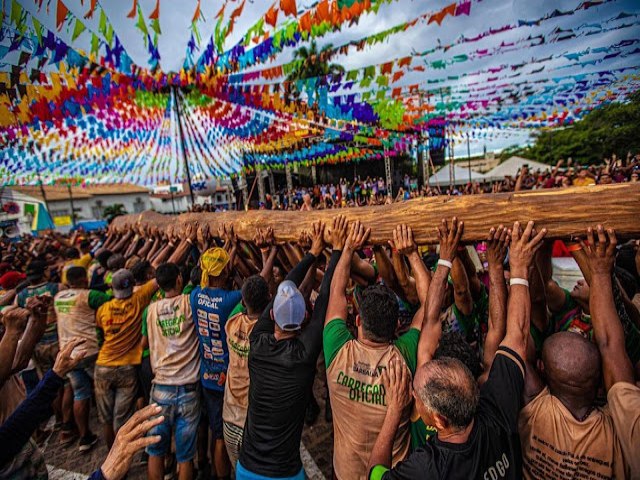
(460, 175)
(511, 166)
(59, 192)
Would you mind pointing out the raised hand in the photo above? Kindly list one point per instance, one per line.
(397, 383)
(601, 254)
(269, 236)
(130, 440)
(67, 358)
(191, 231)
(14, 319)
(450, 238)
(524, 246)
(338, 233)
(403, 240)
(203, 234)
(357, 236)
(497, 244)
(39, 305)
(304, 240)
(317, 238)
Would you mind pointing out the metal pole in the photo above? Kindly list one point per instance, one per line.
(469, 157)
(73, 214)
(173, 205)
(44, 195)
(184, 150)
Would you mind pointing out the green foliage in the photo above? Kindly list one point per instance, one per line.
(113, 211)
(312, 63)
(612, 128)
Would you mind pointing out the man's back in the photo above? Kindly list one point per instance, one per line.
(281, 375)
(76, 313)
(555, 444)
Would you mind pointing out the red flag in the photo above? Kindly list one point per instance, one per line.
(134, 8)
(156, 11)
(61, 14)
(238, 11)
(89, 14)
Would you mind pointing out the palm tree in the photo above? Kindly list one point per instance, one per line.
(113, 211)
(314, 64)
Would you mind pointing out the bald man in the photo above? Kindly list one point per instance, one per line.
(564, 433)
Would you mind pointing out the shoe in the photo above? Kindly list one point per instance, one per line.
(86, 443)
(67, 436)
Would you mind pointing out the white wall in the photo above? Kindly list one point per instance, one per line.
(92, 208)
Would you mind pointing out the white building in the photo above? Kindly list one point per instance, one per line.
(88, 201)
(176, 198)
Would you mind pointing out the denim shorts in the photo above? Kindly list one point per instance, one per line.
(181, 410)
(213, 400)
(244, 474)
(81, 378)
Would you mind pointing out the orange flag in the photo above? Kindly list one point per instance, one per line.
(61, 14)
(134, 7)
(305, 22)
(271, 17)
(196, 14)
(89, 14)
(322, 11)
(220, 12)
(289, 7)
(156, 11)
(238, 11)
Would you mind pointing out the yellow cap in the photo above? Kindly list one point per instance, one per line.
(212, 263)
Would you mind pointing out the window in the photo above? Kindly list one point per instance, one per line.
(139, 205)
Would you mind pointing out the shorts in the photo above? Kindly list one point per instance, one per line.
(181, 409)
(116, 393)
(233, 441)
(213, 400)
(81, 378)
(244, 474)
(145, 377)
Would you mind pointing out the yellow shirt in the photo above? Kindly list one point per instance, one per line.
(84, 261)
(121, 321)
(583, 182)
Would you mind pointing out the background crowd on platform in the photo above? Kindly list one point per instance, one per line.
(360, 192)
(445, 361)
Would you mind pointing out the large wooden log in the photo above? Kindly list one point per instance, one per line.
(564, 212)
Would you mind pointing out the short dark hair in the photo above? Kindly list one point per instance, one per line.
(450, 391)
(84, 244)
(453, 344)
(379, 313)
(71, 253)
(75, 275)
(116, 262)
(140, 270)
(196, 275)
(103, 257)
(167, 275)
(255, 293)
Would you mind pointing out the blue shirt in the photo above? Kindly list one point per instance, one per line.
(211, 308)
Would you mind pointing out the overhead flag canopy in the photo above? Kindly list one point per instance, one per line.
(127, 90)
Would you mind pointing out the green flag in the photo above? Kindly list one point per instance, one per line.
(95, 43)
(77, 29)
(37, 28)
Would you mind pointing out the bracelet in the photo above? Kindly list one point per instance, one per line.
(445, 263)
(519, 281)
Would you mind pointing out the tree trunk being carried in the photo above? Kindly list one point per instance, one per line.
(564, 212)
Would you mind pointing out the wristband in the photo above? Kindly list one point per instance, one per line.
(519, 281)
(445, 263)
(574, 247)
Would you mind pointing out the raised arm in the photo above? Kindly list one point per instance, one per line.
(497, 244)
(432, 327)
(523, 248)
(14, 320)
(461, 289)
(406, 245)
(609, 334)
(385, 268)
(337, 307)
(405, 281)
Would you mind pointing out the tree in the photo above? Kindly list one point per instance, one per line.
(113, 211)
(612, 128)
(312, 63)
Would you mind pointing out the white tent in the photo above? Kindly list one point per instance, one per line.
(460, 176)
(511, 166)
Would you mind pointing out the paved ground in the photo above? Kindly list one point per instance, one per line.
(65, 461)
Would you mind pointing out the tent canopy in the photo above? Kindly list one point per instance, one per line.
(512, 165)
(460, 176)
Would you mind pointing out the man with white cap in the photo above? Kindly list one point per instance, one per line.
(282, 361)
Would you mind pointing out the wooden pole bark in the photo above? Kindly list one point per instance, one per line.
(564, 212)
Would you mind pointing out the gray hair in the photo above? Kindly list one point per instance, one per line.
(449, 390)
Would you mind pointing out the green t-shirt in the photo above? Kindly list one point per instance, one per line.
(336, 335)
(238, 309)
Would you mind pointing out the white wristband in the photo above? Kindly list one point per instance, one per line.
(445, 263)
(519, 281)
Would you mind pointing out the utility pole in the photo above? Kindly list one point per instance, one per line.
(73, 213)
(184, 150)
(469, 157)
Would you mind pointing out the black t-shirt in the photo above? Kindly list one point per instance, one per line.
(492, 451)
(281, 375)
